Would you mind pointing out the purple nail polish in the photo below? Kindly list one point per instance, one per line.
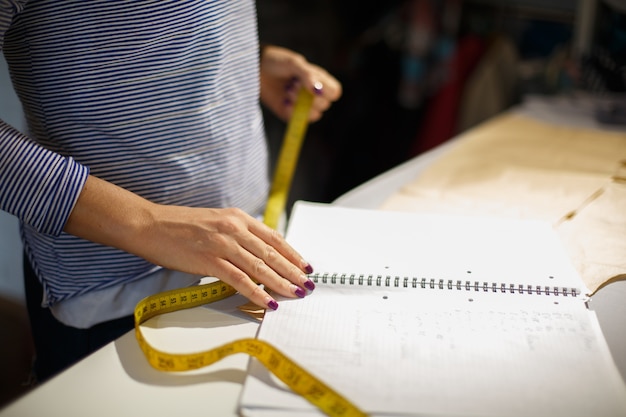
(308, 269)
(300, 292)
(272, 304)
(287, 102)
(309, 285)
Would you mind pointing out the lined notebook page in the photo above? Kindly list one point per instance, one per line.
(455, 353)
(431, 351)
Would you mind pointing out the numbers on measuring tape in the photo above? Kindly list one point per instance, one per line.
(294, 376)
(285, 369)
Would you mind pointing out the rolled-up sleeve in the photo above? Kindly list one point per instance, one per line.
(38, 186)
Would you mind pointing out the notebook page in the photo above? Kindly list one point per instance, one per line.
(454, 353)
(475, 249)
(405, 351)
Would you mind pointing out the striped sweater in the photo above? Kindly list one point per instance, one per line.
(159, 97)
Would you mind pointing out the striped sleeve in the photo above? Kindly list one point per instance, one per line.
(38, 186)
(8, 9)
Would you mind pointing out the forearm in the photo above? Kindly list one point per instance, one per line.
(110, 215)
(224, 243)
(164, 235)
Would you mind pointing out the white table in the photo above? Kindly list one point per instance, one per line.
(117, 380)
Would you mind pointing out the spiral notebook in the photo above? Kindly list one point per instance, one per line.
(419, 314)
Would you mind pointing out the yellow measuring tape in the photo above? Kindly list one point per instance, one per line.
(288, 159)
(295, 377)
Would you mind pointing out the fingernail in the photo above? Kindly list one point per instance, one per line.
(286, 102)
(309, 285)
(317, 87)
(290, 87)
(308, 268)
(299, 291)
(272, 304)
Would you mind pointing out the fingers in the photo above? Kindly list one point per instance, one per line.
(238, 279)
(258, 254)
(325, 88)
(273, 262)
(324, 94)
(284, 72)
(278, 253)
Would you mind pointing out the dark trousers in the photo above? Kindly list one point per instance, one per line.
(58, 346)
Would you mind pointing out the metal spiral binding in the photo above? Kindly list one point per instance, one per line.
(433, 283)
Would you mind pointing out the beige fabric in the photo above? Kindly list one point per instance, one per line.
(514, 166)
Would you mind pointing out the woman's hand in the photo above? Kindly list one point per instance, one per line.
(283, 72)
(232, 246)
(224, 243)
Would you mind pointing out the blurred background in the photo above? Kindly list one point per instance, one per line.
(415, 73)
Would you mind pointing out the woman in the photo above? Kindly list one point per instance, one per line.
(145, 165)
